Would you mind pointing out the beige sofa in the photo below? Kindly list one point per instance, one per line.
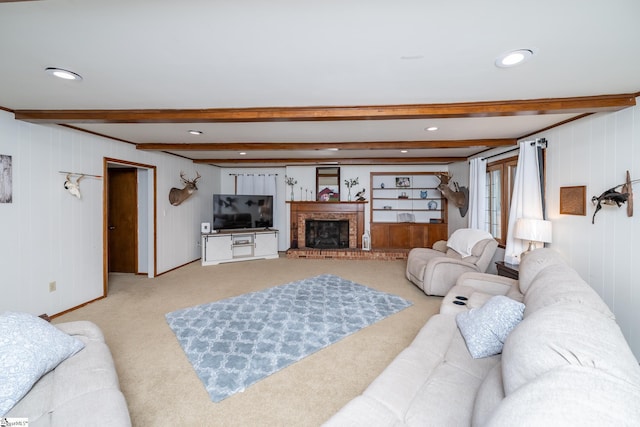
(81, 391)
(565, 363)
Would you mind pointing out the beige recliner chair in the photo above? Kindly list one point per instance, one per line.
(436, 270)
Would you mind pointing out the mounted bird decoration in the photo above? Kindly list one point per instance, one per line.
(614, 197)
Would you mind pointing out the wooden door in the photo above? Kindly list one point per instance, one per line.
(123, 220)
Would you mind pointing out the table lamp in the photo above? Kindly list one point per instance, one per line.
(533, 230)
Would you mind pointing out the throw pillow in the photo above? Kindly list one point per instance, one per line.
(29, 348)
(485, 328)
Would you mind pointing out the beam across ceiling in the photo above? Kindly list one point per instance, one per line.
(341, 161)
(288, 146)
(577, 105)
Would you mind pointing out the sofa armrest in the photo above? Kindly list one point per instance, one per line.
(488, 283)
(82, 328)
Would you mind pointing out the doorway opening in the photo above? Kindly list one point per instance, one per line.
(129, 226)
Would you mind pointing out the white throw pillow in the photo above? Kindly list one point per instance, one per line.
(29, 348)
(485, 328)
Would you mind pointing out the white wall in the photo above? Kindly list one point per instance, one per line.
(596, 152)
(47, 235)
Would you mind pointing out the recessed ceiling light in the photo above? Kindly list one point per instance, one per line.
(63, 74)
(513, 58)
(431, 128)
(195, 132)
(333, 149)
(404, 151)
(242, 153)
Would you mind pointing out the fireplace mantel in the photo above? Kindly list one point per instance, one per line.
(301, 211)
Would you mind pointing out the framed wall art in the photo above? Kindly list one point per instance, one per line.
(6, 179)
(573, 200)
(403, 181)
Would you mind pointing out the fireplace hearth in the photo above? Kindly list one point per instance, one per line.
(327, 234)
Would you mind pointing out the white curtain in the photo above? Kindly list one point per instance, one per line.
(526, 201)
(478, 194)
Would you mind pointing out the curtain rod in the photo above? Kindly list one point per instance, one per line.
(541, 141)
(253, 174)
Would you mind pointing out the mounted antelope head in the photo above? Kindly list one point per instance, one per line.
(179, 195)
(457, 196)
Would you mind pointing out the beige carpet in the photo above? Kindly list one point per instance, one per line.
(162, 388)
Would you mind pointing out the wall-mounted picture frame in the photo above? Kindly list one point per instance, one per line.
(6, 179)
(573, 200)
(403, 181)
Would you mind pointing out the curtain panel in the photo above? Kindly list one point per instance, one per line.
(478, 194)
(526, 201)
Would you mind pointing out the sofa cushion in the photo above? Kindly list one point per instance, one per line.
(489, 397)
(485, 328)
(563, 335)
(571, 396)
(533, 263)
(560, 284)
(29, 348)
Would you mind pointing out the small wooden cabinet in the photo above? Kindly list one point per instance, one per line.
(231, 246)
(407, 210)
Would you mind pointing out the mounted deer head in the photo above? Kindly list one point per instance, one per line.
(179, 195)
(457, 196)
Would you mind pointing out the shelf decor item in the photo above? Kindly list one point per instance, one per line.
(290, 181)
(403, 181)
(350, 183)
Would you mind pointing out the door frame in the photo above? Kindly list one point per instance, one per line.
(147, 189)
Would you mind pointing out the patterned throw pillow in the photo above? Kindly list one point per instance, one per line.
(29, 348)
(485, 328)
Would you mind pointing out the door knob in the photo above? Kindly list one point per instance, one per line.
(111, 227)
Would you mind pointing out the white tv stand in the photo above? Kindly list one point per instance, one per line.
(239, 245)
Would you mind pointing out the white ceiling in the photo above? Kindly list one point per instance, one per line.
(238, 54)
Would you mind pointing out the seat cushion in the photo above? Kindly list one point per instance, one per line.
(412, 387)
(570, 396)
(563, 335)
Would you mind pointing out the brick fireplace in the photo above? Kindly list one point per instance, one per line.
(323, 211)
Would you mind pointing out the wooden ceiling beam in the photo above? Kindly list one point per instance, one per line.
(577, 105)
(288, 146)
(341, 161)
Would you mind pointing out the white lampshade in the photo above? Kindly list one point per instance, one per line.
(533, 230)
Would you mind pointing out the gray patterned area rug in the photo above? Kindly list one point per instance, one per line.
(236, 342)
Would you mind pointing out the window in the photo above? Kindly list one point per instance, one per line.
(500, 177)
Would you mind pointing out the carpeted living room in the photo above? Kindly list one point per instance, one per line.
(161, 385)
(293, 213)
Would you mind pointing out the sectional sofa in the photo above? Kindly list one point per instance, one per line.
(60, 375)
(546, 351)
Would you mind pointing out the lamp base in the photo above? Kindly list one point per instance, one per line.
(532, 247)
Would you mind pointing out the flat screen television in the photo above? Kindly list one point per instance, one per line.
(233, 211)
